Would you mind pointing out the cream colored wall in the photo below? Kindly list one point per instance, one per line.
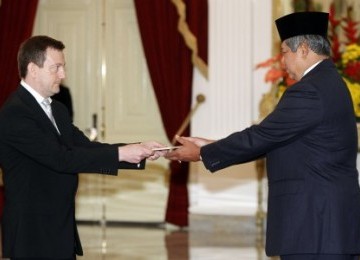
(240, 38)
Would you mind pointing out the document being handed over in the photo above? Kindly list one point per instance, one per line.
(166, 148)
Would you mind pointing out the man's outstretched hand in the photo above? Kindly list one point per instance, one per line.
(189, 151)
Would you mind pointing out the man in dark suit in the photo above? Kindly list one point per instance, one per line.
(41, 154)
(310, 145)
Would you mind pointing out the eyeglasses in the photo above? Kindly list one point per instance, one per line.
(56, 67)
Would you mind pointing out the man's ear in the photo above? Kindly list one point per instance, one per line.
(304, 49)
(32, 69)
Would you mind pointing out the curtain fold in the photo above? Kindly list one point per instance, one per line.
(192, 24)
(16, 24)
(170, 66)
(197, 13)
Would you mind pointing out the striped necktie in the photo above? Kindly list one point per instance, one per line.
(47, 105)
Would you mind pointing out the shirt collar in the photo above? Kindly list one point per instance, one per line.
(33, 92)
(311, 67)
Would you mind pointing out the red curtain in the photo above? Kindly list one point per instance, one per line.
(16, 24)
(197, 13)
(170, 67)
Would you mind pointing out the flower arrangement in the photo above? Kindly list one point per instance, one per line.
(345, 47)
(276, 74)
(346, 53)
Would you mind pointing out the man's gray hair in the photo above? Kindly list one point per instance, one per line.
(316, 43)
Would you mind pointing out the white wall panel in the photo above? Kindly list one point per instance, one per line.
(240, 38)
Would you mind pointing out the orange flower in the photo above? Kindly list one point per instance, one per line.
(270, 62)
(276, 74)
(289, 81)
(273, 75)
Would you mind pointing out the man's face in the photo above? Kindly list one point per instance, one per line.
(48, 78)
(292, 61)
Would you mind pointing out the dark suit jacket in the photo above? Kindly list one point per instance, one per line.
(64, 96)
(310, 144)
(41, 177)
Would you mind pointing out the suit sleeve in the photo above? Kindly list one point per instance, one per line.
(81, 140)
(27, 134)
(84, 141)
(297, 112)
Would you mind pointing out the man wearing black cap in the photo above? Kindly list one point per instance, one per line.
(310, 145)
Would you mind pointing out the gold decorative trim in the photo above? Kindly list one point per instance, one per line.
(189, 38)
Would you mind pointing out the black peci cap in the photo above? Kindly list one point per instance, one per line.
(302, 23)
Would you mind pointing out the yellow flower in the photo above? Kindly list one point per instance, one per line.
(354, 89)
(281, 90)
(351, 53)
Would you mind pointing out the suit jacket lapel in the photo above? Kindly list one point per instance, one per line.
(35, 108)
